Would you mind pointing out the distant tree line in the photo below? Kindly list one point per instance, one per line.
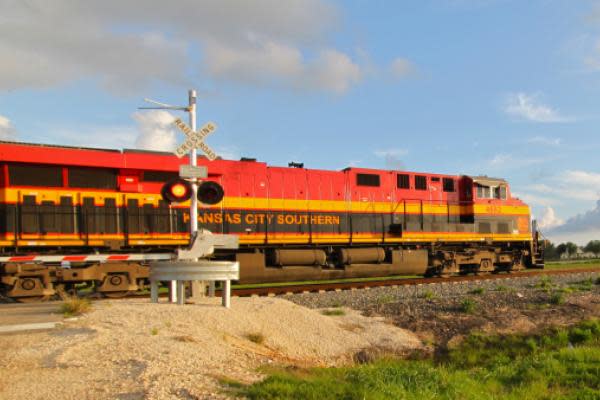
(571, 250)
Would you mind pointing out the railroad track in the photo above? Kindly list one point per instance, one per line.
(355, 285)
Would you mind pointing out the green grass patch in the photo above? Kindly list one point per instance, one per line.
(477, 291)
(332, 312)
(154, 331)
(545, 283)
(73, 306)
(583, 286)
(557, 298)
(559, 364)
(428, 295)
(468, 306)
(574, 264)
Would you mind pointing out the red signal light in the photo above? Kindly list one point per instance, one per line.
(176, 191)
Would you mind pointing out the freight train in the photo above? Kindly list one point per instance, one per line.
(71, 216)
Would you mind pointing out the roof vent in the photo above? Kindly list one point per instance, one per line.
(248, 159)
(296, 164)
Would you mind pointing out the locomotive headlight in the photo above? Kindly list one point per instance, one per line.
(176, 191)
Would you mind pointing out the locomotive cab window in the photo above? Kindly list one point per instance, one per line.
(500, 192)
(35, 175)
(483, 192)
(367, 180)
(448, 185)
(420, 182)
(403, 181)
(93, 178)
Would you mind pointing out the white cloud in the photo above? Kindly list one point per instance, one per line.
(543, 140)
(127, 45)
(156, 131)
(526, 106)
(7, 131)
(228, 152)
(585, 222)
(511, 161)
(105, 137)
(549, 219)
(536, 199)
(572, 184)
(401, 68)
(392, 158)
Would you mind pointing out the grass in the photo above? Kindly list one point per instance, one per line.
(333, 312)
(559, 364)
(545, 283)
(154, 331)
(468, 306)
(557, 298)
(256, 337)
(573, 264)
(477, 291)
(73, 306)
(428, 295)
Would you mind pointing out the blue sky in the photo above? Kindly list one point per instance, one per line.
(496, 87)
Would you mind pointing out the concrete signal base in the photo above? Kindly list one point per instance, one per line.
(201, 270)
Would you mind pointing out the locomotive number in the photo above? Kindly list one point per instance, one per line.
(492, 209)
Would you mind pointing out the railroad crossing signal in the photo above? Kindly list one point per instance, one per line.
(179, 190)
(195, 139)
(176, 191)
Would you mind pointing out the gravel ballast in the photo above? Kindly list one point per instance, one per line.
(133, 349)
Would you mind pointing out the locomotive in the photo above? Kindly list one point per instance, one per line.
(71, 216)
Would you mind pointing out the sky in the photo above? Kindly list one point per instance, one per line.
(495, 87)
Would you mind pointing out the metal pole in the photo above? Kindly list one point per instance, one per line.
(197, 287)
(193, 163)
(226, 295)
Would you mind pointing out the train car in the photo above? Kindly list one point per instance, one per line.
(293, 222)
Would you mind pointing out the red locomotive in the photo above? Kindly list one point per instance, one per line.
(293, 222)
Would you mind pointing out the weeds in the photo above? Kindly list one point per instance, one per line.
(256, 337)
(73, 306)
(428, 295)
(557, 298)
(501, 288)
(468, 306)
(333, 312)
(477, 291)
(545, 283)
(584, 286)
(560, 363)
(154, 331)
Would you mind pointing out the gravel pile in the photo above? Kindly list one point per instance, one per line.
(366, 299)
(138, 350)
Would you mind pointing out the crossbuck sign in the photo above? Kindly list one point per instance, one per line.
(195, 139)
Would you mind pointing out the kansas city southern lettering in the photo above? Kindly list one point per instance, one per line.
(261, 218)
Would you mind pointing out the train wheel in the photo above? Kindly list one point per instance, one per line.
(114, 286)
(29, 290)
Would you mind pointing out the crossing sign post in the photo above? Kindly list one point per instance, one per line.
(195, 139)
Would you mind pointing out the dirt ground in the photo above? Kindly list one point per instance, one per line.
(138, 350)
(444, 322)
